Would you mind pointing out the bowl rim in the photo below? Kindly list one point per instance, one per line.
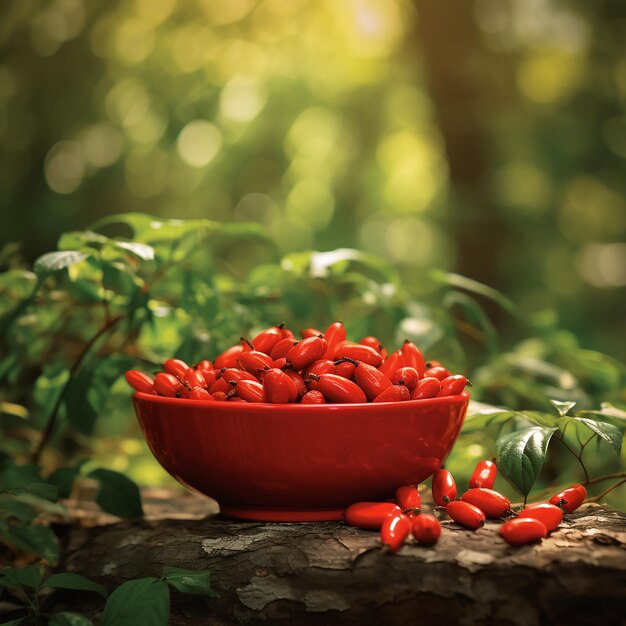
(261, 406)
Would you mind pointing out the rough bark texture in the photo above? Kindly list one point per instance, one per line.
(329, 573)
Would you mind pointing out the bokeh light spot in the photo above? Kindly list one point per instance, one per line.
(242, 99)
(199, 143)
(64, 167)
(311, 202)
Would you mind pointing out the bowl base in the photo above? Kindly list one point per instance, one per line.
(283, 515)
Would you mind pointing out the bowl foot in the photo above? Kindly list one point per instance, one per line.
(282, 515)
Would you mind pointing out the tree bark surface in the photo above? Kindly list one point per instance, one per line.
(329, 573)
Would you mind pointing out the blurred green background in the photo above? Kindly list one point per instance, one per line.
(484, 137)
(488, 137)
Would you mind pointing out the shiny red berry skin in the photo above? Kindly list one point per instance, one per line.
(408, 498)
(280, 350)
(371, 380)
(492, 503)
(444, 487)
(522, 530)
(549, 515)
(345, 369)
(466, 514)
(436, 372)
(176, 367)
(337, 389)
(298, 381)
(250, 390)
(370, 515)
(306, 352)
(452, 385)
(139, 381)
(484, 475)
(311, 332)
(199, 393)
(313, 397)
(319, 367)
(254, 361)
(413, 357)
(569, 499)
(194, 378)
(406, 376)
(230, 356)
(335, 334)
(358, 352)
(394, 531)
(278, 388)
(426, 529)
(210, 376)
(392, 364)
(372, 342)
(268, 338)
(395, 393)
(220, 396)
(167, 385)
(426, 388)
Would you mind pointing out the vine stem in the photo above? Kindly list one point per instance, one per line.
(578, 456)
(52, 420)
(606, 491)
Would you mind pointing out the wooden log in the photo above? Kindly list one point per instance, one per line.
(329, 573)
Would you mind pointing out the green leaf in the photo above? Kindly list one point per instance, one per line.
(74, 581)
(67, 618)
(476, 315)
(57, 261)
(521, 455)
(29, 576)
(473, 286)
(611, 434)
(63, 478)
(39, 540)
(12, 507)
(144, 601)
(562, 407)
(140, 250)
(118, 494)
(41, 490)
(197, 582)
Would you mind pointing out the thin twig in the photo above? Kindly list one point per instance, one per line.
(600, 479)
(57, 405)
(606, 491)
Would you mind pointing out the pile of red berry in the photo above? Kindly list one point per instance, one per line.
(320, 368)
(398, 520)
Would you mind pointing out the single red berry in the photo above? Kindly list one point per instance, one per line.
(337, 389)
(250, 390)
(139, 381)
(406, 376)
(298, 381)
(466, 514)
(444, 487)
(358, 352)
(254, 361)
(230, 356)
(437, 372)
(220, 396)
(392, 364)
(408, 498)
(306, 352)
(394, 531)
(484, 475)
(176, 367)
(492, 503)
(549, 514)
(167, 385)
(426, 388)
(313, 397)
(413, 357)
(522, 530)
(278, 387)
(345, 369)
(372, 342)
(194, 378)
(370, 515)
(311, 332)
(426, 529)
(319, 367)
(205, 364)
(452, 385)
(210, 376)
(569, 499)
(334, 334)
(371, 380)
(268, 338)
(280, 350)
(395, 393)
(199, 393)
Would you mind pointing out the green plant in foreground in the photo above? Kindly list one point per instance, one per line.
(522, 452)
(143, 601)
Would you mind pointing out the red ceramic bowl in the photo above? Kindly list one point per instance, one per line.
(289, 463)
